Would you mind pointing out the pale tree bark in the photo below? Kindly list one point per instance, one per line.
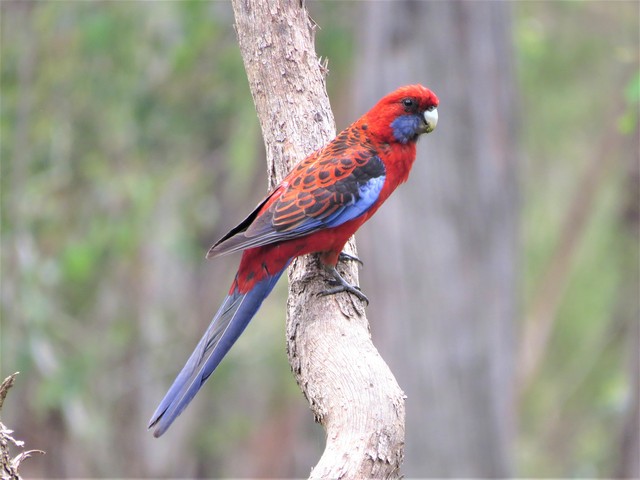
(449, 236)
(352, 392)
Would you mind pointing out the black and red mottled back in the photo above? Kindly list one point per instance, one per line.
(336, 183)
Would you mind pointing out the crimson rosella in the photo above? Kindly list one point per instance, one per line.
(315, 209)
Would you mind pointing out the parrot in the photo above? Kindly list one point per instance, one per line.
(315, 209)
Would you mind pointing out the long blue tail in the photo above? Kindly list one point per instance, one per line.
(234, 315)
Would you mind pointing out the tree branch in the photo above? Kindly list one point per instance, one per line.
(352, 392)
(9, 466)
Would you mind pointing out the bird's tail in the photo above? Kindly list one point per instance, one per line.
(234, 315)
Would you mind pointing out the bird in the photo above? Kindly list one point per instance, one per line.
(316, 208)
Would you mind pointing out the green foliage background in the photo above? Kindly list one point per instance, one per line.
(129, 143)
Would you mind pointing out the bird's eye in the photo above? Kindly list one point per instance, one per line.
(408, 102)
(430, 108)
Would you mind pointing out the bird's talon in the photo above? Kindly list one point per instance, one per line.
(341, 285)
(347, 257)
(339, 289)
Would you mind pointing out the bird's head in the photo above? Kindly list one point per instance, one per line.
(403, 115)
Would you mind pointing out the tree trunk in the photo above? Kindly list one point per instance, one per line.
(352, 392)
(445, 299)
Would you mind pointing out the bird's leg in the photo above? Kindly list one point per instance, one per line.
(347, 257)
(341, 285)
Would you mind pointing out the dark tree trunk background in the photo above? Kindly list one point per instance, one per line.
(446, 244)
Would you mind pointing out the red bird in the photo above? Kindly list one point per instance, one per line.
(315, 209)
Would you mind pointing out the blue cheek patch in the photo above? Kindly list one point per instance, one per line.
(405, 127)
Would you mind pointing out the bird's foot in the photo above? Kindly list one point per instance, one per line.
(347, 257)
(341, 285)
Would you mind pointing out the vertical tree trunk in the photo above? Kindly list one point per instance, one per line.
(445, 299)
(351, 390)
(628, 447)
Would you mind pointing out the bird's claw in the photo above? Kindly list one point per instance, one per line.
(347, 257)
(341, 288)
(341, 285)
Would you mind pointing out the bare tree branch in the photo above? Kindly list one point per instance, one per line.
(352, 392)
(9, 466)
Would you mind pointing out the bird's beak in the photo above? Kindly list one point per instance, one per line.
(430, 119)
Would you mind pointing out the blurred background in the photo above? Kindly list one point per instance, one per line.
(503, 275)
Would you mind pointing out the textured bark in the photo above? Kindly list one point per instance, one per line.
(449, 236)
(352, 392)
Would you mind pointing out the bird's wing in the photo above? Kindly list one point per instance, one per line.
(322, 191)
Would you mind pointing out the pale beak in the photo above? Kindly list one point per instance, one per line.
(431, 119)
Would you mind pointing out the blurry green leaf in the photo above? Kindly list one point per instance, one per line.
(628, 121)
(632, 91)
(242, 149)
(531, 38)
(79, 261)
(70, 380)
(98, 30)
